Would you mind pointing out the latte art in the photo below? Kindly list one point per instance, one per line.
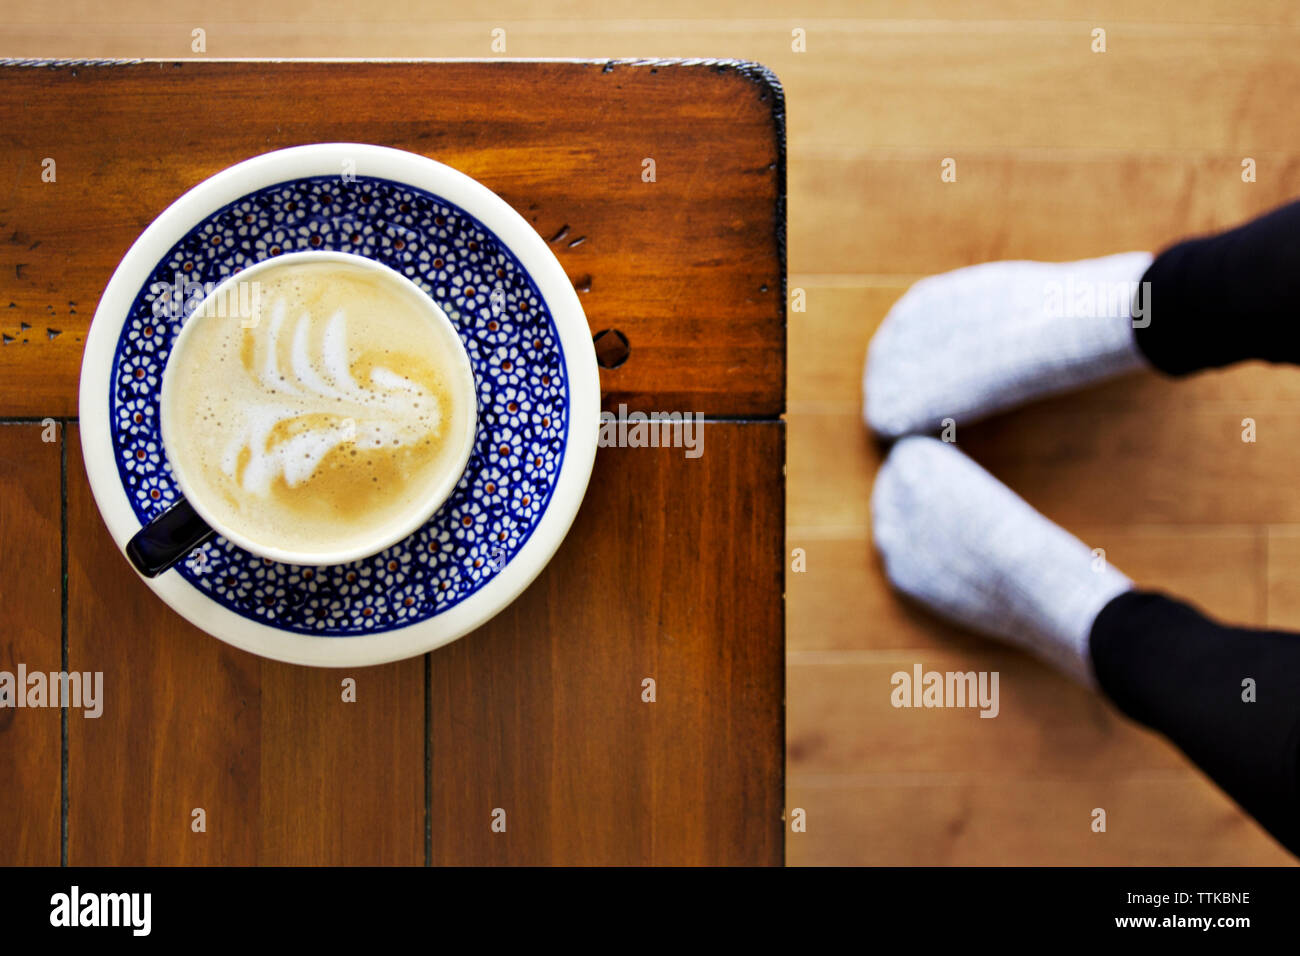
(287, 436)
(334, 412)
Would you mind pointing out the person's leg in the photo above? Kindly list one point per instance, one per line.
(985, 338)
(1229, 697)
(954, 538)
(1225, 298)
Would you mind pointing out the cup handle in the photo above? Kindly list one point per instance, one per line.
(167, 538)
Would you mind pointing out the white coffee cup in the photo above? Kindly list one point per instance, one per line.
(180, 531)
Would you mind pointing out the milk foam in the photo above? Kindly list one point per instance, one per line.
(332, 413)
(394, 410)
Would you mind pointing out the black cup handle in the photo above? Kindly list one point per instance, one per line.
(167, 538)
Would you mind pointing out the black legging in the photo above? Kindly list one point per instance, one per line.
(1170, 667)
(1212, 302)
(1225, 298)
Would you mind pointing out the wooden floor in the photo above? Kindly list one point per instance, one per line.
(1060, 153)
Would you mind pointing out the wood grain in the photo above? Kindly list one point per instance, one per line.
(286, 772)
(689, 266)
(672, 573)
(820, 496)
(1051, 204)
(829, 340)
(342, 783)
(1012, 86)
(1169, 462)
(412, 14)
(1283, 577)
(971, 819)
(1045, 724)
(30, 594)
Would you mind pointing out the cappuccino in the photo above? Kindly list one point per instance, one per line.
(339, 414)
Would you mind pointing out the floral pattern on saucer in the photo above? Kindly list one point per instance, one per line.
(513, 345)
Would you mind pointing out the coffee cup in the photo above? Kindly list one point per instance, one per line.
(316, 408)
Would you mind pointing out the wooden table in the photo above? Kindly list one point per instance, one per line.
(673, 569)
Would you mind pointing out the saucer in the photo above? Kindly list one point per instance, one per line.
(523, 329)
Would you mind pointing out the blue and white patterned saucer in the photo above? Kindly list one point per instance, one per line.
(524, 332)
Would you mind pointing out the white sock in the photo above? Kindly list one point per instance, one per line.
(978, 340)
(959, 541)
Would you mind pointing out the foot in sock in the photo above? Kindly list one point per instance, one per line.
(985, 338)
(956, 539)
